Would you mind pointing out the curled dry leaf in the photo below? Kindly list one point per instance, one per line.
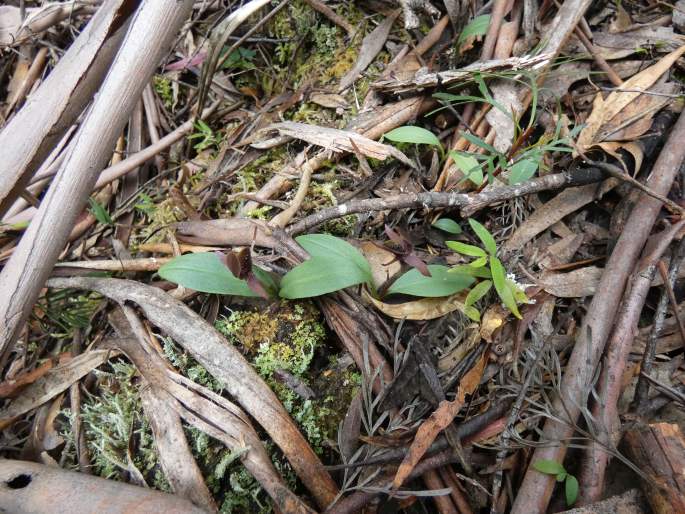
(337, 140)
(437, 422)
(492, 320)
(424, 309)
(604, 111)
(384, 264)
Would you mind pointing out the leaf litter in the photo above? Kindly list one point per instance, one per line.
(259, 342)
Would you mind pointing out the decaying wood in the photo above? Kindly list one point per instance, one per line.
(536, 489)
(29, 488)
(226, 364)
(168, 397)
(659, 451)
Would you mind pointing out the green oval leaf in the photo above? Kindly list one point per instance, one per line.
(522, 170)
(472, 313)
(499, 278)
(485, 236)
(571, 490)
(548, 467)
(440, 283)
(464, 249)
(469, 166)
(334, 249)
(478, 292)
(478, 26)
(411, 134)
(320, 275)
(448, 225)
(204, 272)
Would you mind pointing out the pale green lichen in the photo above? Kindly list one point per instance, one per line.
(113, 421)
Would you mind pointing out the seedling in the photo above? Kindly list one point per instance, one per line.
(552, 467)
(486, 266)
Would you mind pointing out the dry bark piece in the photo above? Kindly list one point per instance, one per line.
(28, 488)
(423, 79)
(153, 27)
(659, 451)
(54, 382)
(14, 30)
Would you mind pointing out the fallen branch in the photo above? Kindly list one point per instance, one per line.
(225, 363)
(469, 203)
(30, 488)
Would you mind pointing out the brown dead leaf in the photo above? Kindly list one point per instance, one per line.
(557, 208)
(437, 422)
(337, 140)
(604, 111)
(371, 45)
(11, 387)
(636, 118)
(492, 320)
(423, 309)
(384, 264)
(57, 380)
(574, 284)
(632, 148)
(329, 100)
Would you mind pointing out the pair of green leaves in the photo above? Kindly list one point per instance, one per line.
(490, 268)
(335, 264)
(552, 467)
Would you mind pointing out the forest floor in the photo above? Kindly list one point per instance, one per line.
(307, 256)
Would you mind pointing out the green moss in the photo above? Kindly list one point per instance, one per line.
(163, 89)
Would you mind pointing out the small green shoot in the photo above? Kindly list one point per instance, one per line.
(478, 26)
(486, 265)
(551, 467)
(205, 136)
(100, 213)
(240, 58)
